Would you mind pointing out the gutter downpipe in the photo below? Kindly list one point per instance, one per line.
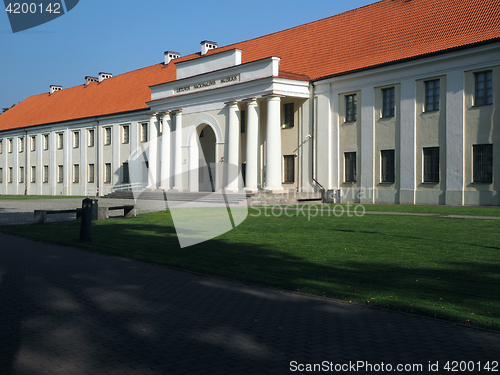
(313, 131)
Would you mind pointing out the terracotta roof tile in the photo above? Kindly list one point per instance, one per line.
(383, 32)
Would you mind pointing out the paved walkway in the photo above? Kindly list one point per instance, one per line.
(67, 311)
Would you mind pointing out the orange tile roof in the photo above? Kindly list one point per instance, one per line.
(380, 33)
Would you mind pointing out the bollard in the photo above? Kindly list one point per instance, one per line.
(87, 205)
(95, 209)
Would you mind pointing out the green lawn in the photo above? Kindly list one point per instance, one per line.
(435, 266)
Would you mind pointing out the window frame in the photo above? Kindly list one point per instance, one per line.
(288, 115)
(10, 176)
(388, 102)
(1, 146)
(385, 175)
(350, 108)
(10, 145)
(46, 142)
(144, 132)
(91, 137)
(60, 141)
(431, 168)
(76, 139)
(33, 174)
(125, 173)
(289, 169)
(351, 177)
(107, 173)
(33, 143)
(1, 175)
(60, 174)
(108, 135)
(45, 177)
(482, 176)
(91, 173)
(125, 134)
(21, 175)
(21, 145)
(436, 92)
(487, 98)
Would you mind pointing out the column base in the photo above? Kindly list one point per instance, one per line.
(274, 190)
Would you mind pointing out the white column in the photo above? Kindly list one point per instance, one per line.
(178, 152)
(53, 162)
(68, 163)
(115, 149)
(152, 151)
(407, 143)
(252, 157)
(165, 152)
(454, 138)
(367, 149)
(273, 145)
(233, 142)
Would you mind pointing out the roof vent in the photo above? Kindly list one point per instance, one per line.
(103, 76)
(169, 56)
(89, 79)
(54, 88)
(207, 46)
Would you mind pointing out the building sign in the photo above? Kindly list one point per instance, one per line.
(207, 84)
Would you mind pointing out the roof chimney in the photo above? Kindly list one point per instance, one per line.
(103, 76)
(169, 56)
(207, 46)
(89, 79)
(54, 88)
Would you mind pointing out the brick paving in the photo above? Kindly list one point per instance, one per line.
(68, 311)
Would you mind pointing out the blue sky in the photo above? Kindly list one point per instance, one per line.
(117, 36)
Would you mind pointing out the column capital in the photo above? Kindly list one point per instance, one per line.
(250, 100)
(231, 103)
(176, 111)
(273, 96)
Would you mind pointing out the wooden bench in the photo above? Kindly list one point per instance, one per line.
(41, 215)
(102, 213)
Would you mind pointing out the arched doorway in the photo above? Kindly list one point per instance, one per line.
(206, 157)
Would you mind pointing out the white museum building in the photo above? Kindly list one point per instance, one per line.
(394, 102)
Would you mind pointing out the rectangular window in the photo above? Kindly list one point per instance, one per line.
(289, 168)
(483, 163)
(388, 104)
(9, 176)
(144, 132)
(21, 175)
(484, 88)
(432, 95)
(60, 141)
(126, 134)
(288, 115)
(60, 174)
(350, 108)
(33, 173)
(243, 121)
(388, 166)
(76, 139)
(1, 175)
(21, 144)
(45, 141)
(1, 146)
(431, 164)
(91, 138)
(126, 174)
(33, 143)
(76, 173)
(107, 173)
(350, 166)
(10, 145)
(45, 174)
(91, 173)
(107, 136)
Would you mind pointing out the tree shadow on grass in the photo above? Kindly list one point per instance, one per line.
(88, 311)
